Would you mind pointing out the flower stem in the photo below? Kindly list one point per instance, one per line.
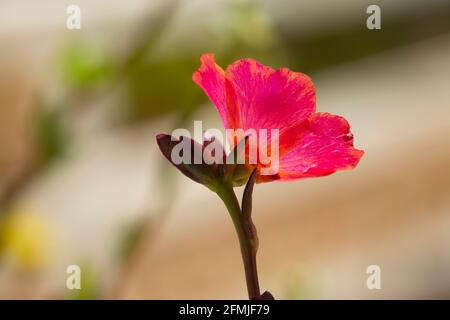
(248, 239)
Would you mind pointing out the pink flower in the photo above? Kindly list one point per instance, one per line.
(249, 95)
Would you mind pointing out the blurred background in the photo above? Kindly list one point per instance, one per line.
(82, 181)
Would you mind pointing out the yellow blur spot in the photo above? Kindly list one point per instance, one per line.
(25, 240)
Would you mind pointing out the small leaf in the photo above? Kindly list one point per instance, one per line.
(247, 197)
(201, 172)
(238, 173)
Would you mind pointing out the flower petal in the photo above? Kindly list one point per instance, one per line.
(326, 146)
(268, 98)
(211, 78)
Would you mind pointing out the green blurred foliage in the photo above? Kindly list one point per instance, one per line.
(83, 67)
(51, 134)
(164, 85)
(159, 87)
(129, 237)
(248, 26)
